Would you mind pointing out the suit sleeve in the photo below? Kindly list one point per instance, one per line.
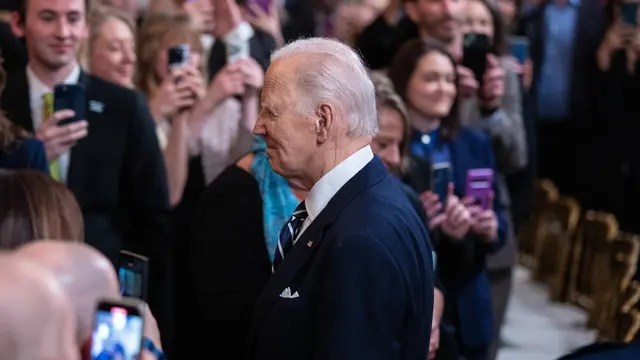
(38, 157)
(145, 182)
(361, 303)
(498, 208)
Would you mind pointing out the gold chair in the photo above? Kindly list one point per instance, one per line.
(591, 258)
(628, 327)
(534, 229)
(554, 250)
(618, 296)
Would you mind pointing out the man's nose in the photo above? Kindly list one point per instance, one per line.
(259, 128)
(63, 28)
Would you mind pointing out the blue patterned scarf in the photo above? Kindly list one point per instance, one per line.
(278, 201)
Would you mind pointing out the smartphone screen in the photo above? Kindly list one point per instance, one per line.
(178, 56)
(476, 47)
(519, 48)
(70, 97)
(441, 177)
(480, 186)
(117, 331)
(629, 12)
(133, 272)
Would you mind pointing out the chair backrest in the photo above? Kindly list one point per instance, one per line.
(534, 229)
(590, 262)
(616, 292)
(554, 250)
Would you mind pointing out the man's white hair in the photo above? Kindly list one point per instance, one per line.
(333, 72)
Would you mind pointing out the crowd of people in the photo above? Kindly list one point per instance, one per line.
(211, 135)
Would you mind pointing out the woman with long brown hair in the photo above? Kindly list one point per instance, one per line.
(35, 207)
(17, 149)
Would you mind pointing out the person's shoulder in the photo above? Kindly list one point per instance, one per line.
(472, 135)
(114, 91)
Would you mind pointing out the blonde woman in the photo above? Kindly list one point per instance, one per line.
(194, 119)
(111, 51)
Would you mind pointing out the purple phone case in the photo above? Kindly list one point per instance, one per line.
(480, 185)
(263, 4)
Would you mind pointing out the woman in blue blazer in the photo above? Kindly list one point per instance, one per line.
(425, 76)
(18, 151)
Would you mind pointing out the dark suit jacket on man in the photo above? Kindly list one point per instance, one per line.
(363, 272)
(116, 173)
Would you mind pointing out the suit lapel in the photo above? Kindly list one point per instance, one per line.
(312, 238)
(80, 149)
(16, 101)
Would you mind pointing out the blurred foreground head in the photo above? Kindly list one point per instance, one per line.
(37, 321)
(84, 274)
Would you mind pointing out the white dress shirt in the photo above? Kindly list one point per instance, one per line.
(37, 90)
(329, 185)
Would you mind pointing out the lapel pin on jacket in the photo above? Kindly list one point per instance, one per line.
(96, 106)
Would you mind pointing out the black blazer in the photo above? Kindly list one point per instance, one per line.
(364, 278)
(116, 173)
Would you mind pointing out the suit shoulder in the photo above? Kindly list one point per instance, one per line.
(473, 136)
(111, 89)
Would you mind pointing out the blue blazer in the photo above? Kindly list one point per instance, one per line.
(462, 263)
(27, 153)
(364, 277)
(606, 351)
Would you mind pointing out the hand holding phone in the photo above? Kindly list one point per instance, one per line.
(118, 329)
(63, 121)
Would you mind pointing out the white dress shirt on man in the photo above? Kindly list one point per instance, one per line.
(329, 185)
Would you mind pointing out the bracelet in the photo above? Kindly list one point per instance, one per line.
(148, 345)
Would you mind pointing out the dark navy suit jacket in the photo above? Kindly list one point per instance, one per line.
(606, 351)
(25, 153)
(364, 277)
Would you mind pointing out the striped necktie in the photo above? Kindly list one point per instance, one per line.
(288, 234)
(47, 111)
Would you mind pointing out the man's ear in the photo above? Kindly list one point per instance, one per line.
(325, 120)
(17, 24)
(411, 9)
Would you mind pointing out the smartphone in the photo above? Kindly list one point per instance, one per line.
(476, 47)
(265, 5)
(237, 50)
(519, 48)
(480, 186)
(178, 56)
(133, 271)
(441, 176)
(117, 330)
(70, 97)
(629, 12)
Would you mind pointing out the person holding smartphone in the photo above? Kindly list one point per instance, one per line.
(425, 76)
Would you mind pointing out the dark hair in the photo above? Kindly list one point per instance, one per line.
(386, 96)
(403, 67)
(36, 207)
(499, 42)
(21, 9)
(9, 132)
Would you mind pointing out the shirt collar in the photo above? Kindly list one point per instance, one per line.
(328, 185)
(37, 88)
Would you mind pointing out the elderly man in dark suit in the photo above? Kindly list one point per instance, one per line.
(110, 160)
(353, 272)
